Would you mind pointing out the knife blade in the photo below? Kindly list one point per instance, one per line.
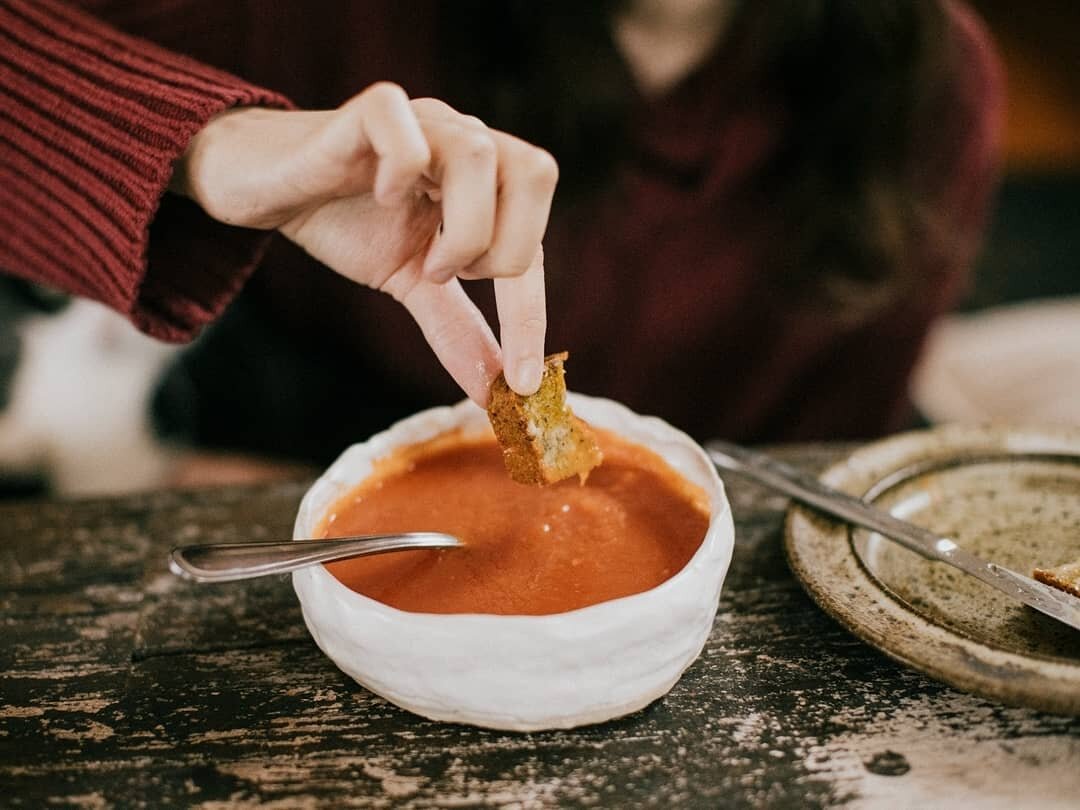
(810, 491)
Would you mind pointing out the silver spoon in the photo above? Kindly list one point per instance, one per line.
(227, 562)
(810, 491)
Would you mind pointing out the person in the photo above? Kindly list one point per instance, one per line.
(761, 206)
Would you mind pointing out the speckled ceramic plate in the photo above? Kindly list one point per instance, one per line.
(1012, 496)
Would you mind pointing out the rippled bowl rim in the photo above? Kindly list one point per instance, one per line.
(715, 550)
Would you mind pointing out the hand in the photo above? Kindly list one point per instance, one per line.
(405, 196)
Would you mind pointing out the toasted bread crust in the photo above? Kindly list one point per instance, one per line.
(1064, 577)
(541, 439)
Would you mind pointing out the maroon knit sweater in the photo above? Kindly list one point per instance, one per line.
(656, 289)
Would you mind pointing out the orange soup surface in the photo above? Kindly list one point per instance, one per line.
(528, 550)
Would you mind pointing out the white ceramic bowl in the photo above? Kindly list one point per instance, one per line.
(520, 673)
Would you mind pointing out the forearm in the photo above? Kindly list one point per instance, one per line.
(91, 123)
(403, 195)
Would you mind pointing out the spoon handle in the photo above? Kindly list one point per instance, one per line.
(227, 562)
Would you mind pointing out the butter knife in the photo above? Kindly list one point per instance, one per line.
(809, 491)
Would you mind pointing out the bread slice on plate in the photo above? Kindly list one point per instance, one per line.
(1065, 577)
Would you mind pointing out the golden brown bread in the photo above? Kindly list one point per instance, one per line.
(1065, 577)
(541, 439)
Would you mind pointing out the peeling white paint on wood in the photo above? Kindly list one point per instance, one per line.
(83, 732)
(84, 801)
(83, 705)
(931, 754)
(20, 711)
(121, 686)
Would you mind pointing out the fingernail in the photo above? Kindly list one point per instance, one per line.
(525, 378)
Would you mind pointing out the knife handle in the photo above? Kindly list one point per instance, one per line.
(810, 491)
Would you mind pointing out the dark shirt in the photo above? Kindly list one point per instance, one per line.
(656, 286)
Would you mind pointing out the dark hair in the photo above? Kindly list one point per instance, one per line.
(856, 79)
(852, 76)
(545, 71)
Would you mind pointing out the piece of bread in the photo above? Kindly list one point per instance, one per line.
(541, 439)
(1065, 577)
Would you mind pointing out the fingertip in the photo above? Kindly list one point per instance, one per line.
(477, 386)
(436, 268)
(524, 376)
(389, 196)
(480, 398)
(393, 184)
(401, 165)
(437, 273)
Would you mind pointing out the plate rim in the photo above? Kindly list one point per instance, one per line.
(836, 580)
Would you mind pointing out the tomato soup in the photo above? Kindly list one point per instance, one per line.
(528, 550)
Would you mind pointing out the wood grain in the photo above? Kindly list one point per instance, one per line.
(121, 686)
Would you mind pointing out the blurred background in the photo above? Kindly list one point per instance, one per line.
(1033, 249)
(1013, 352)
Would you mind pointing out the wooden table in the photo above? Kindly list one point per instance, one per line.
(123, 686)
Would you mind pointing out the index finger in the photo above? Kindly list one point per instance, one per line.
(523, 325)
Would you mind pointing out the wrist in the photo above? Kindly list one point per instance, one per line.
(184, 179)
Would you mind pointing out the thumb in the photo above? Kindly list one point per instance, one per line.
(372, 143)
(458, 334)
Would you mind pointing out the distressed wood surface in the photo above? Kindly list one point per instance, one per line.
(121, 686)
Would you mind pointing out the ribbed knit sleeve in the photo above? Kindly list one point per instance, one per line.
(91, 122)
